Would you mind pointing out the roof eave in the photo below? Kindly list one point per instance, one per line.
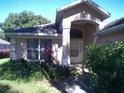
(110, 30)
(32, 34)
(105, 13)
(69, 5)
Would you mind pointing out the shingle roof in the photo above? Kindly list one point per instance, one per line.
(47, 28)
(117, 25)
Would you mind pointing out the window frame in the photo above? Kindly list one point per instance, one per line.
(38, 48)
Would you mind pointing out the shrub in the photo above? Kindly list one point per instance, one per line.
(57, 71)
(74, 71)
(26, 71)
(106, 66)
(61, 72)
(21, 70)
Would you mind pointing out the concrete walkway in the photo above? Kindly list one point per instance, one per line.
(70, 85)
(75, 89)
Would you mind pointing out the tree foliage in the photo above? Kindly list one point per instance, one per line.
(21, 20)
(106, 66)
(2, 35)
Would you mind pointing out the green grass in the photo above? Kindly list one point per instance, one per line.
(4, 60)
(8, 85)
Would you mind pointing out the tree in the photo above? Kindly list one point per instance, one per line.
(2, 36)
(21, 20)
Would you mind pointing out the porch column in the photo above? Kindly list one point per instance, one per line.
(66, 45)
(13, 49)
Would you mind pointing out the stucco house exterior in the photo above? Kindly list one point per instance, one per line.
(73, 29)
(113, 31)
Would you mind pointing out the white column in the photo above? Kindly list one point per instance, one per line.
(12, 49)
(66, 45)
(39, 49)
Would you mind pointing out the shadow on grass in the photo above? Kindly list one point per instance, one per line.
(6, 89)
(82, 81)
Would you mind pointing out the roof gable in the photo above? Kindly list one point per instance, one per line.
(83, 3)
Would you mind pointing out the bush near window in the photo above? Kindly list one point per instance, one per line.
(106, 66)
(55, 71)
(22, 70)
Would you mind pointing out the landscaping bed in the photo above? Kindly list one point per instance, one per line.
(21, 76)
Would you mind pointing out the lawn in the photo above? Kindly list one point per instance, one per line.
(9, 85)
(4, 60)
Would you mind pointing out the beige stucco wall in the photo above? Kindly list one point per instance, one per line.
(78, 9)
(88, 34)
(110, 37)
(20, 46)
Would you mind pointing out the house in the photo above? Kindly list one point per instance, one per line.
(73, 29)
(113, 31)
(4, 48)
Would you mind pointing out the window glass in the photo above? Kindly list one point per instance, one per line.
(33, 51)
(32, 54)
(45, 44)
(74, 53)
(32, 48)
(32, 43)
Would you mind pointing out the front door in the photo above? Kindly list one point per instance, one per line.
(76, 51)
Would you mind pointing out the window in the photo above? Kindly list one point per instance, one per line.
(36, 48)
(74, 53)
(76, 48)
(32, 45)
(44, 44)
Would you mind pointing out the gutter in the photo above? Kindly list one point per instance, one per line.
(109, 30)
(33, 34)
(106, 13)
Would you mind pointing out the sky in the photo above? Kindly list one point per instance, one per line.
(47, 8)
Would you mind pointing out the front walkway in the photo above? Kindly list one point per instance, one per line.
(70, 85)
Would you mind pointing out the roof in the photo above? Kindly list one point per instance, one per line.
(83, 1)
(117, 25)
(89, 2)
(4, 42)
(46, 28)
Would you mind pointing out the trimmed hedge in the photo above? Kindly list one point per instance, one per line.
(106, 66)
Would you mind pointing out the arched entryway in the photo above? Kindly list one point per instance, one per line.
(81, 35)
(76, 45)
